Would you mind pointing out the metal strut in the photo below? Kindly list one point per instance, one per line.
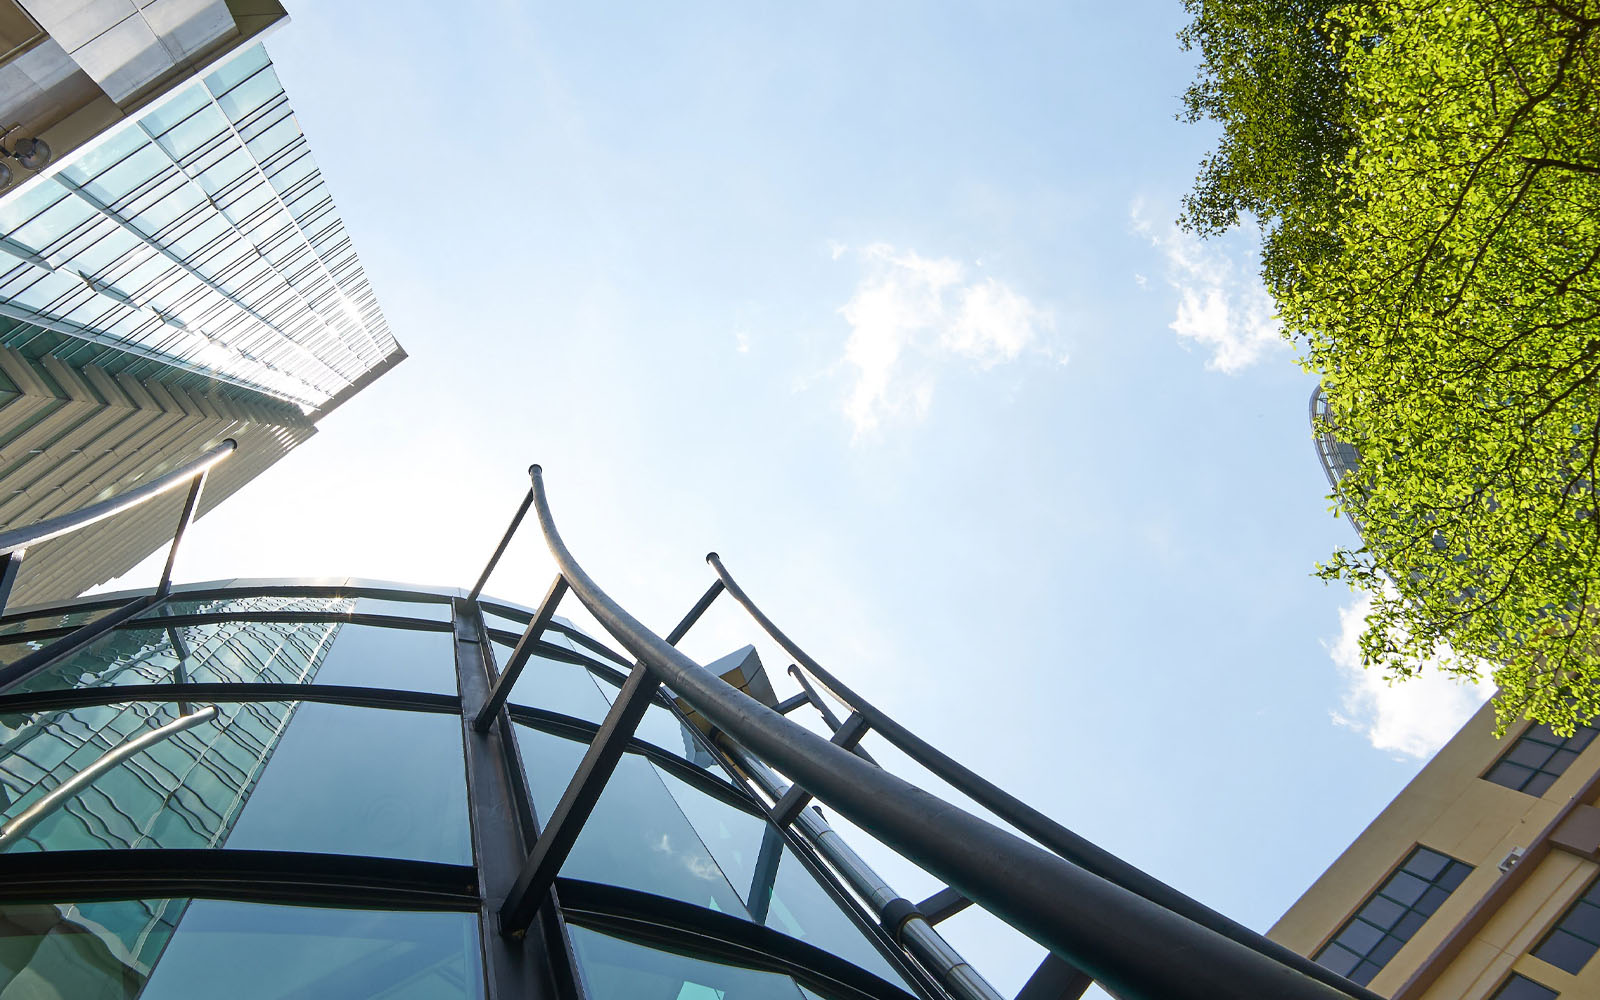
(1138, 948)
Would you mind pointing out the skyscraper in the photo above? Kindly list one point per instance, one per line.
(173, 274)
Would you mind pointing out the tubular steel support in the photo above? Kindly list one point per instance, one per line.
(1137, 948)
(915, 932)
(525, 645)
(577, 802)
(1068, 845)
(822, 708)
(186, 518)
(1054, 979)
(33, 534)
(943, 905)
(505, 540)
(797, 798)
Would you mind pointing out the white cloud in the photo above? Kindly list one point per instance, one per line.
(741, 342)
(1222, 305)
(909, 313)
(1413, 717)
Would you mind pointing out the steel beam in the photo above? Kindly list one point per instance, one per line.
(519, 655)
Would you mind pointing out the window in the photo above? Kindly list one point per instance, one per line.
(1576, 936)
(1538, 758)
(1393, 914)
(1523, 988)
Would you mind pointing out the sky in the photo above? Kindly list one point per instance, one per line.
(883, 302)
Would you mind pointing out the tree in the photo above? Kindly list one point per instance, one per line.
(1451, 305)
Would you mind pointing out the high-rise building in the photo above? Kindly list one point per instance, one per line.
(172, 269)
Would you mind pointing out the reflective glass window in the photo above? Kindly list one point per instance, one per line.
(657, 833)
(554, 686)
(290, 776)
(164, 949)
(1576, 936)
(251, 604)
(616, 969)
(257, 652)
(65, 619)
(433, 611)
(1389, 918)
(1523, 988)
(1538, 757)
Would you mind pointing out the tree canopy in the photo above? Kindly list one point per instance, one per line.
(1428, 174)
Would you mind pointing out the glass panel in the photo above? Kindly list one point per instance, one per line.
(252, 604)
(554, 686)
(433, 611)
(502, 622)
(63, 620)
(621, 970)
(795, 902)
(410, 659)
(636, 837)
(1523, 988)
(267, 776)
(164, 949)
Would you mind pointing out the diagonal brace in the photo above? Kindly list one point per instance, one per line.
(519, 656)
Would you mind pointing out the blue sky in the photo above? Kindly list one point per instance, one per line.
(884, 303)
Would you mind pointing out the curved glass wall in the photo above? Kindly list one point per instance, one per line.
(274, 790)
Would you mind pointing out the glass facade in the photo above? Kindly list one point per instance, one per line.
(196, 244)
(321, 730)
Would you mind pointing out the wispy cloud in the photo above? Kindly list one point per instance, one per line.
(1414, 717)
(1222, 305)
(909, 314)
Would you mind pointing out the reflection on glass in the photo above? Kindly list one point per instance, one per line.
(251, 604)
(636, 836)
(217, 652)
(554, 686)
(66, 620)
(267, 776)
(433, 611)
(657, 833)
(375, 656)
(622, 970)
(165, 949)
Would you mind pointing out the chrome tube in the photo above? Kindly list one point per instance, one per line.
(29, 817)
(33, 534)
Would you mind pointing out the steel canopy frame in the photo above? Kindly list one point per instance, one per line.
(1137, 948)
(1021, 816)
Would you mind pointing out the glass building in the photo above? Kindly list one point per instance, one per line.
(329, 813)
(176, 275)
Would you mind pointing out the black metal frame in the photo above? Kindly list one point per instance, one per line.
(1081, 902)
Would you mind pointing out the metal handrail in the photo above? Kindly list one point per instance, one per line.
(1138, 949)
(43, 531)
(1021, 816)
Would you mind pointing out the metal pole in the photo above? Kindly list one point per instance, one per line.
(33, 534)
(1136, 948)
(184, 520)
(10, 563)
(916, 932)
(1080, 851)
(500, 550)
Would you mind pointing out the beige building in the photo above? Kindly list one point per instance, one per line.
(1480, 881)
